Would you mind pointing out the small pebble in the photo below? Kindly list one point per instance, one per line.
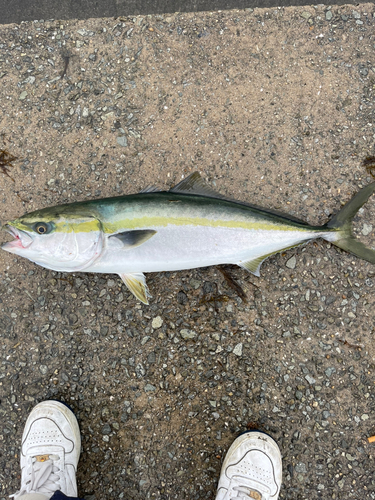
(301, 468)
(106, 429)
(149, 388)
(84, 32)
(367, 228)
(43, 369)
(188, 334)
(238, 349)
(195, 283)
(330, 371)
(310, 379)
(122, 141)
(329, 15)
(157, 322)
(291, 263)
(182, 298)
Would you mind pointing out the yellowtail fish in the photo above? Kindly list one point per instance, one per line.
(186, 227)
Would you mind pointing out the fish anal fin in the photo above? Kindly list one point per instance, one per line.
(132, 239)
(194, 184)
(253, 266)
(136, 283)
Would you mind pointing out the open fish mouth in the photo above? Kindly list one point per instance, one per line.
(21, 239)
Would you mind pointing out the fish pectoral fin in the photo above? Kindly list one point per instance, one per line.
(136, 283)
(132, 239)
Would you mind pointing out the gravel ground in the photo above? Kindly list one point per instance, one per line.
(271, 106)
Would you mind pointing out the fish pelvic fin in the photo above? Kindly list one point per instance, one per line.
(342, 224)
(136, 283)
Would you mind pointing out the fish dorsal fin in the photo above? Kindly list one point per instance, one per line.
(136, 283)
(131, 239)
(194, 184)
(150, 189)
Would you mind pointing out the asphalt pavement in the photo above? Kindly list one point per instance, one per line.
(30, 10)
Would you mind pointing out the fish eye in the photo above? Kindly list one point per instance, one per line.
(41, 228)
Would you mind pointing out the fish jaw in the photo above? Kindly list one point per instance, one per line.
(21, 241)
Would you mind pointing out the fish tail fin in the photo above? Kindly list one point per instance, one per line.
(342, 224)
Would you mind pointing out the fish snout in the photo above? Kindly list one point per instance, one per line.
(21, 239)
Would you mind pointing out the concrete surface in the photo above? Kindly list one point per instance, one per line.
(274, 106)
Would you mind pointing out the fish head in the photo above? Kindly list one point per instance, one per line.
(56, 240)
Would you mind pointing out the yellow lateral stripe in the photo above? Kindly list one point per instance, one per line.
(147, 222)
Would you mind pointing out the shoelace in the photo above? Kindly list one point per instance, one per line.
(42, 477)
(246, 493)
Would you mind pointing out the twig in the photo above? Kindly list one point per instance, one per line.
(6, 161)
(66, 59)
(353, 346)
(232, 283)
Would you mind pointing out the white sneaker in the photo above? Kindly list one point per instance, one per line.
(51, 445)
(252, 468)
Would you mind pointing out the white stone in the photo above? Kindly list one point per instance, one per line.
(188, 334)
(291, 263)
(238, 349)
(367, 228)
(157, 322)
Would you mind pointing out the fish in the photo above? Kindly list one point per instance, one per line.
(187, 227)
